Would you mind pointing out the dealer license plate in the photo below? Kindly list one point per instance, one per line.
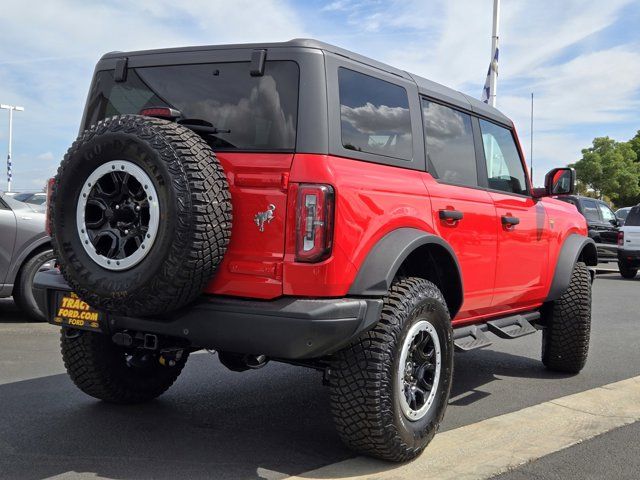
(70, 311)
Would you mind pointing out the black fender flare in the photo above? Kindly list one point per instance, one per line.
(574, 247)
(378, 270)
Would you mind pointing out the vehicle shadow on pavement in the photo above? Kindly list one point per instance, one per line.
(10, 313)
(211, 424)
(478, 368)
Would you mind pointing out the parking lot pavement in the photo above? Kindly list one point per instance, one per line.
(275, 422)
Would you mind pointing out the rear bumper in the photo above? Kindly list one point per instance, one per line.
(288, 328)
(629, 257)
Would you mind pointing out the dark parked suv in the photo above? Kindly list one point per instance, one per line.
(602, 223)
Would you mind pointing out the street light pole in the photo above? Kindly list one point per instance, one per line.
(11, 109)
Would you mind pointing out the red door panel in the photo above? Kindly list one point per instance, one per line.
(523, 250)
(473, 239)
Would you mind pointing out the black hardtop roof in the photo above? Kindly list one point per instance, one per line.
(425, 87)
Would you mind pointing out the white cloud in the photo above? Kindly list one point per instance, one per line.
(583, 86)
(48, 51)
(46, 157)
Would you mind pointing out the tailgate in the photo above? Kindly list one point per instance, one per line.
(631, 238)
(253, 262)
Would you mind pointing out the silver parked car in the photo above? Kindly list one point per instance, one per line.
(25, 249)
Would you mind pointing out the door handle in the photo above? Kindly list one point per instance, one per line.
(450, 215)
(509, 221)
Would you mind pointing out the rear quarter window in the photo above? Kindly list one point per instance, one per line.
(374, 115)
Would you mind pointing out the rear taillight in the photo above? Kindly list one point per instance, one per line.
(314, 222)
(47, 224)
(620, 239)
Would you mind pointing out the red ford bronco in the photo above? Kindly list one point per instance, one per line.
(301, 203)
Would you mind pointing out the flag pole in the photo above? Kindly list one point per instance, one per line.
(493, 68)
(531, 141)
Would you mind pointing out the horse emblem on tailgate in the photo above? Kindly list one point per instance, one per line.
(261, 218)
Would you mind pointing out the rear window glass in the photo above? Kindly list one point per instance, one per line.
(633, 219)
(374, 115)
(260, 113)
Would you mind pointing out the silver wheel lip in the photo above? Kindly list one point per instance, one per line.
(408, 412)
(154, 215)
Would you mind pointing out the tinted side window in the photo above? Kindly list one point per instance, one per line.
(590, 210)
(450, 148)
(504, 167)
(374, 115)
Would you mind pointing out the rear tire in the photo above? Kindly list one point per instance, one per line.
(23, 290)
(368, 386)
(101, 369)
(626, 271)
(565, 338)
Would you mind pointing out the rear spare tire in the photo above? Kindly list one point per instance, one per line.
(140, 215)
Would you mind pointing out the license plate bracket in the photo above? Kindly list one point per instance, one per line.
(70, 311)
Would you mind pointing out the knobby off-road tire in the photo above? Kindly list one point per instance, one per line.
(627, 271)
(364, 377)
(23, 290)
(100, 369)
(192, 215)
(567, 321)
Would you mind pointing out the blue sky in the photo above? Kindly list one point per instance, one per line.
(580, 58)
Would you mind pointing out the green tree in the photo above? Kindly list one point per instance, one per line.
(635, 145)
(611, 169)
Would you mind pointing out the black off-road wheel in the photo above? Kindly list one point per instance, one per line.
(626, 271)
(390, 388)
(108, 372)
(23, 289)
(140, 215)
(567, 325)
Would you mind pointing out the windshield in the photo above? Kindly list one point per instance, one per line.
(252, 113)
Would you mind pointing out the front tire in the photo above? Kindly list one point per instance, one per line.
(565, 338)
(106, 371)
(390, 388)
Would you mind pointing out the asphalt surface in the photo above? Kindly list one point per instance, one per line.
(275, 422)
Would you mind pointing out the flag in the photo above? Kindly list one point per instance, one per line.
(486, 91)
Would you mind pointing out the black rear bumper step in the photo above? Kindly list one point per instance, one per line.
(513, 326)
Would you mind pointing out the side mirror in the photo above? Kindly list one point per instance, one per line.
(559, 181)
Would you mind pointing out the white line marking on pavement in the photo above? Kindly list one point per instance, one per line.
(499, 444)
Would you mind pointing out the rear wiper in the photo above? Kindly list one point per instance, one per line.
(198, 125)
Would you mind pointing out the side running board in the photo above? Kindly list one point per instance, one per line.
(514, 326)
